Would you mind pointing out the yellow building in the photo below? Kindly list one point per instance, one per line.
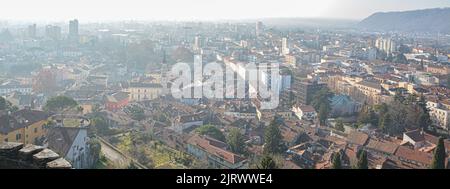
(24, 126)
(143, 91)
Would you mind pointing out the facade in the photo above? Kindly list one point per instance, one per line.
(386, 45)
(71, 143)
(143, 91)
(24, 126)
(439, 114)
(215, 153)
(7, 89)
(305, 112)
(304, 91)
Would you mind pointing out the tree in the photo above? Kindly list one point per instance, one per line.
(267, 163)
(424, 116)
(386, 123)
(273, 139)
(59, 103)
(336, 161)
(211, 131)
(340, 125)
(362, 160)
(439, 155)
(94, 149)
(236, 141)
(100, 126)
(368, 115)
(324, 110)
(136, 112)
(321, 102)
(2, 103)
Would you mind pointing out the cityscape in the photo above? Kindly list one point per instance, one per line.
(257, 92)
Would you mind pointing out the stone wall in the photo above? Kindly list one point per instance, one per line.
(20, 156)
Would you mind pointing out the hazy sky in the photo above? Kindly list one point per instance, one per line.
(96, 10)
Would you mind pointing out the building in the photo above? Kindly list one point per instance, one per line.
(215, 153)
(71, 143)
(386, 45)
(53, 32)
(73, 30)
(32, 31)
(284, 46)
(8, 88)
(305, 112)
(116, 101)
(143, 91)
(342, 105)
(259, 29)
(439, 114)
(24, 126)
(304, 91)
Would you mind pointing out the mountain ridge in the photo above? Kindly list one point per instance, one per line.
(431, 20)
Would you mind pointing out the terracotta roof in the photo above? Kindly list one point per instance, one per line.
(414, 155)
(307, 108)
(215, 147)
(382, 146)
(358, 138)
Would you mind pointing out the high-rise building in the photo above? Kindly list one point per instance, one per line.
(259, 28)
(32, 31)
(73, 30)
(304, 91)
(53, 32)
(386, 45)
(284, 46)
(197, 43)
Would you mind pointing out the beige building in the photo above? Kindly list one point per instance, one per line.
(440, 114)
(143, 91)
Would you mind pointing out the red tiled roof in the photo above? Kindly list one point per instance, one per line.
(215, 147)
(414, 155)
(358, 138)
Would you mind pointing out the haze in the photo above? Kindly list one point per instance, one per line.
(103, 10)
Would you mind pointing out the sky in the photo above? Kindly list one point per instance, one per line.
(113, 10)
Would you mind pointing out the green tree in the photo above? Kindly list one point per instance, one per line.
(59, 103)
(336, 161)
(94, 149)
(386, 123)
(136, 112)
(236, 141)
(273, 138)
(211, 131)
(267, 162)
(439, 155)
(100, 126)
(2, 103)
(340, 125)
(324, 111)
(424, 116)
(362, 160)
(322, 97)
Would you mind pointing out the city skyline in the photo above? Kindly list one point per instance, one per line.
(177, 10)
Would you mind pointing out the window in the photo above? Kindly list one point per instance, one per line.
(18, 136)
(35, 130)
(6, 140)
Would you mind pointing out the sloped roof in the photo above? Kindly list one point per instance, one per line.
(215, 147)
(60, 139)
